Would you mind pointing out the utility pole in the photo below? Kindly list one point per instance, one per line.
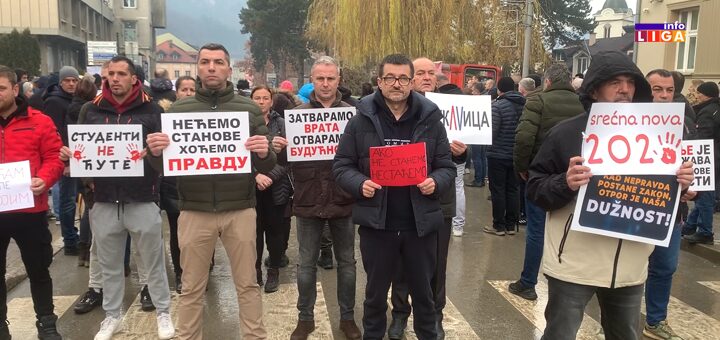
(528, 37)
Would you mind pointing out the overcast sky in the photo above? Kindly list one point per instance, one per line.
(201, 21)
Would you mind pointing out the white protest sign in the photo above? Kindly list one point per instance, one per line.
(467, 119)
(701, 152)
(106, 150)
(15, 193)
(634, 138)
(206, 143)
(313, 134)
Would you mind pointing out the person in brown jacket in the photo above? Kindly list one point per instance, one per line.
(318, 201)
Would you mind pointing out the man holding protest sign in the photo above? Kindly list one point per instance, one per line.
(31, 141)
(125, 203)
(542, 111)
(453, 207)
(577, 264)
(663, 260)
(227, 199)
(699, 225)
(397, 223)
(318, 201)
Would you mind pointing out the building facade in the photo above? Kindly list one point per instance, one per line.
(62, 27)
(695, 57)
(611, 19)
(135, 24)
(175, 56)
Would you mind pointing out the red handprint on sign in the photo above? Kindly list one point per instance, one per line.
(135, 154)
(78, 153)
(669, 155)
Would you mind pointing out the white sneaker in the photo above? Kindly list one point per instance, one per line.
(457, 232)
(166, 329)
(108, 327)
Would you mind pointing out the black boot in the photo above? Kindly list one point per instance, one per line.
(326, 259)
(46, 328)
(273, 280)
(178, 283)
(5, 331)
(146, 303)
(83, 254)
(258, 274)
(397, 328)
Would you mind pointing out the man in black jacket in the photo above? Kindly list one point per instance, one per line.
(127, 204)
(57, 100)
(396, 223)
(699, 225)
(618, 268)
(506, 111)
(452, 204)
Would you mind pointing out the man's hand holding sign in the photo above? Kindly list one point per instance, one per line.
(641, 140)
(398, 166)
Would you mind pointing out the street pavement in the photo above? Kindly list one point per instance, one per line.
(480, 266)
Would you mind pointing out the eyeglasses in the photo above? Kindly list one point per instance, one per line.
(404, 81)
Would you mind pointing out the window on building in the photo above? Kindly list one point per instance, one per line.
(177, 74)
(129, 3)
(606, 33)
(582, 64)
(175, 56)
(161, 56)
(130, 30)
(686, 50)
(187, 73)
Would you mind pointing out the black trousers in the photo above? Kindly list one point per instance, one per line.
(400, 292)
(271, 226)
(172, 217)
(382, 252)
(504, 193)
(30, 232)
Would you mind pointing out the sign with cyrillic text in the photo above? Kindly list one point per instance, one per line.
(15, 193)
(106, 150)
(206, 143)
(467, 119)
(637, 208)
(313, 134)
(634, 138)
(701, 152)
(397, 166)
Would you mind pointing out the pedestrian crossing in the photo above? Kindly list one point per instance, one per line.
(687, 321)
(534, 310)
(21, 315)
(714, 285)
(280, 316)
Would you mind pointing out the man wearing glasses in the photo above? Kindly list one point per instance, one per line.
(397, 224)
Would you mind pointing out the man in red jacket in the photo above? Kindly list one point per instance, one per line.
(27, 134)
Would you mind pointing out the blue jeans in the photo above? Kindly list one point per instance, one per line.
(662, 265)
(479, 160)
(68, 193)
(534, 238)
(309, 231)
(701, 217)
(56, 199)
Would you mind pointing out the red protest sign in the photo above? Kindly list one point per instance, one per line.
(397, 166)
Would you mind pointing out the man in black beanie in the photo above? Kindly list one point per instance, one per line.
(698, 227)
(506, 111)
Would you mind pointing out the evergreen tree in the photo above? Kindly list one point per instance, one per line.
(20, 50)
(564, 21)
(276, 30)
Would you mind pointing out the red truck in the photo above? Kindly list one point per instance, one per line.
(459, 74)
